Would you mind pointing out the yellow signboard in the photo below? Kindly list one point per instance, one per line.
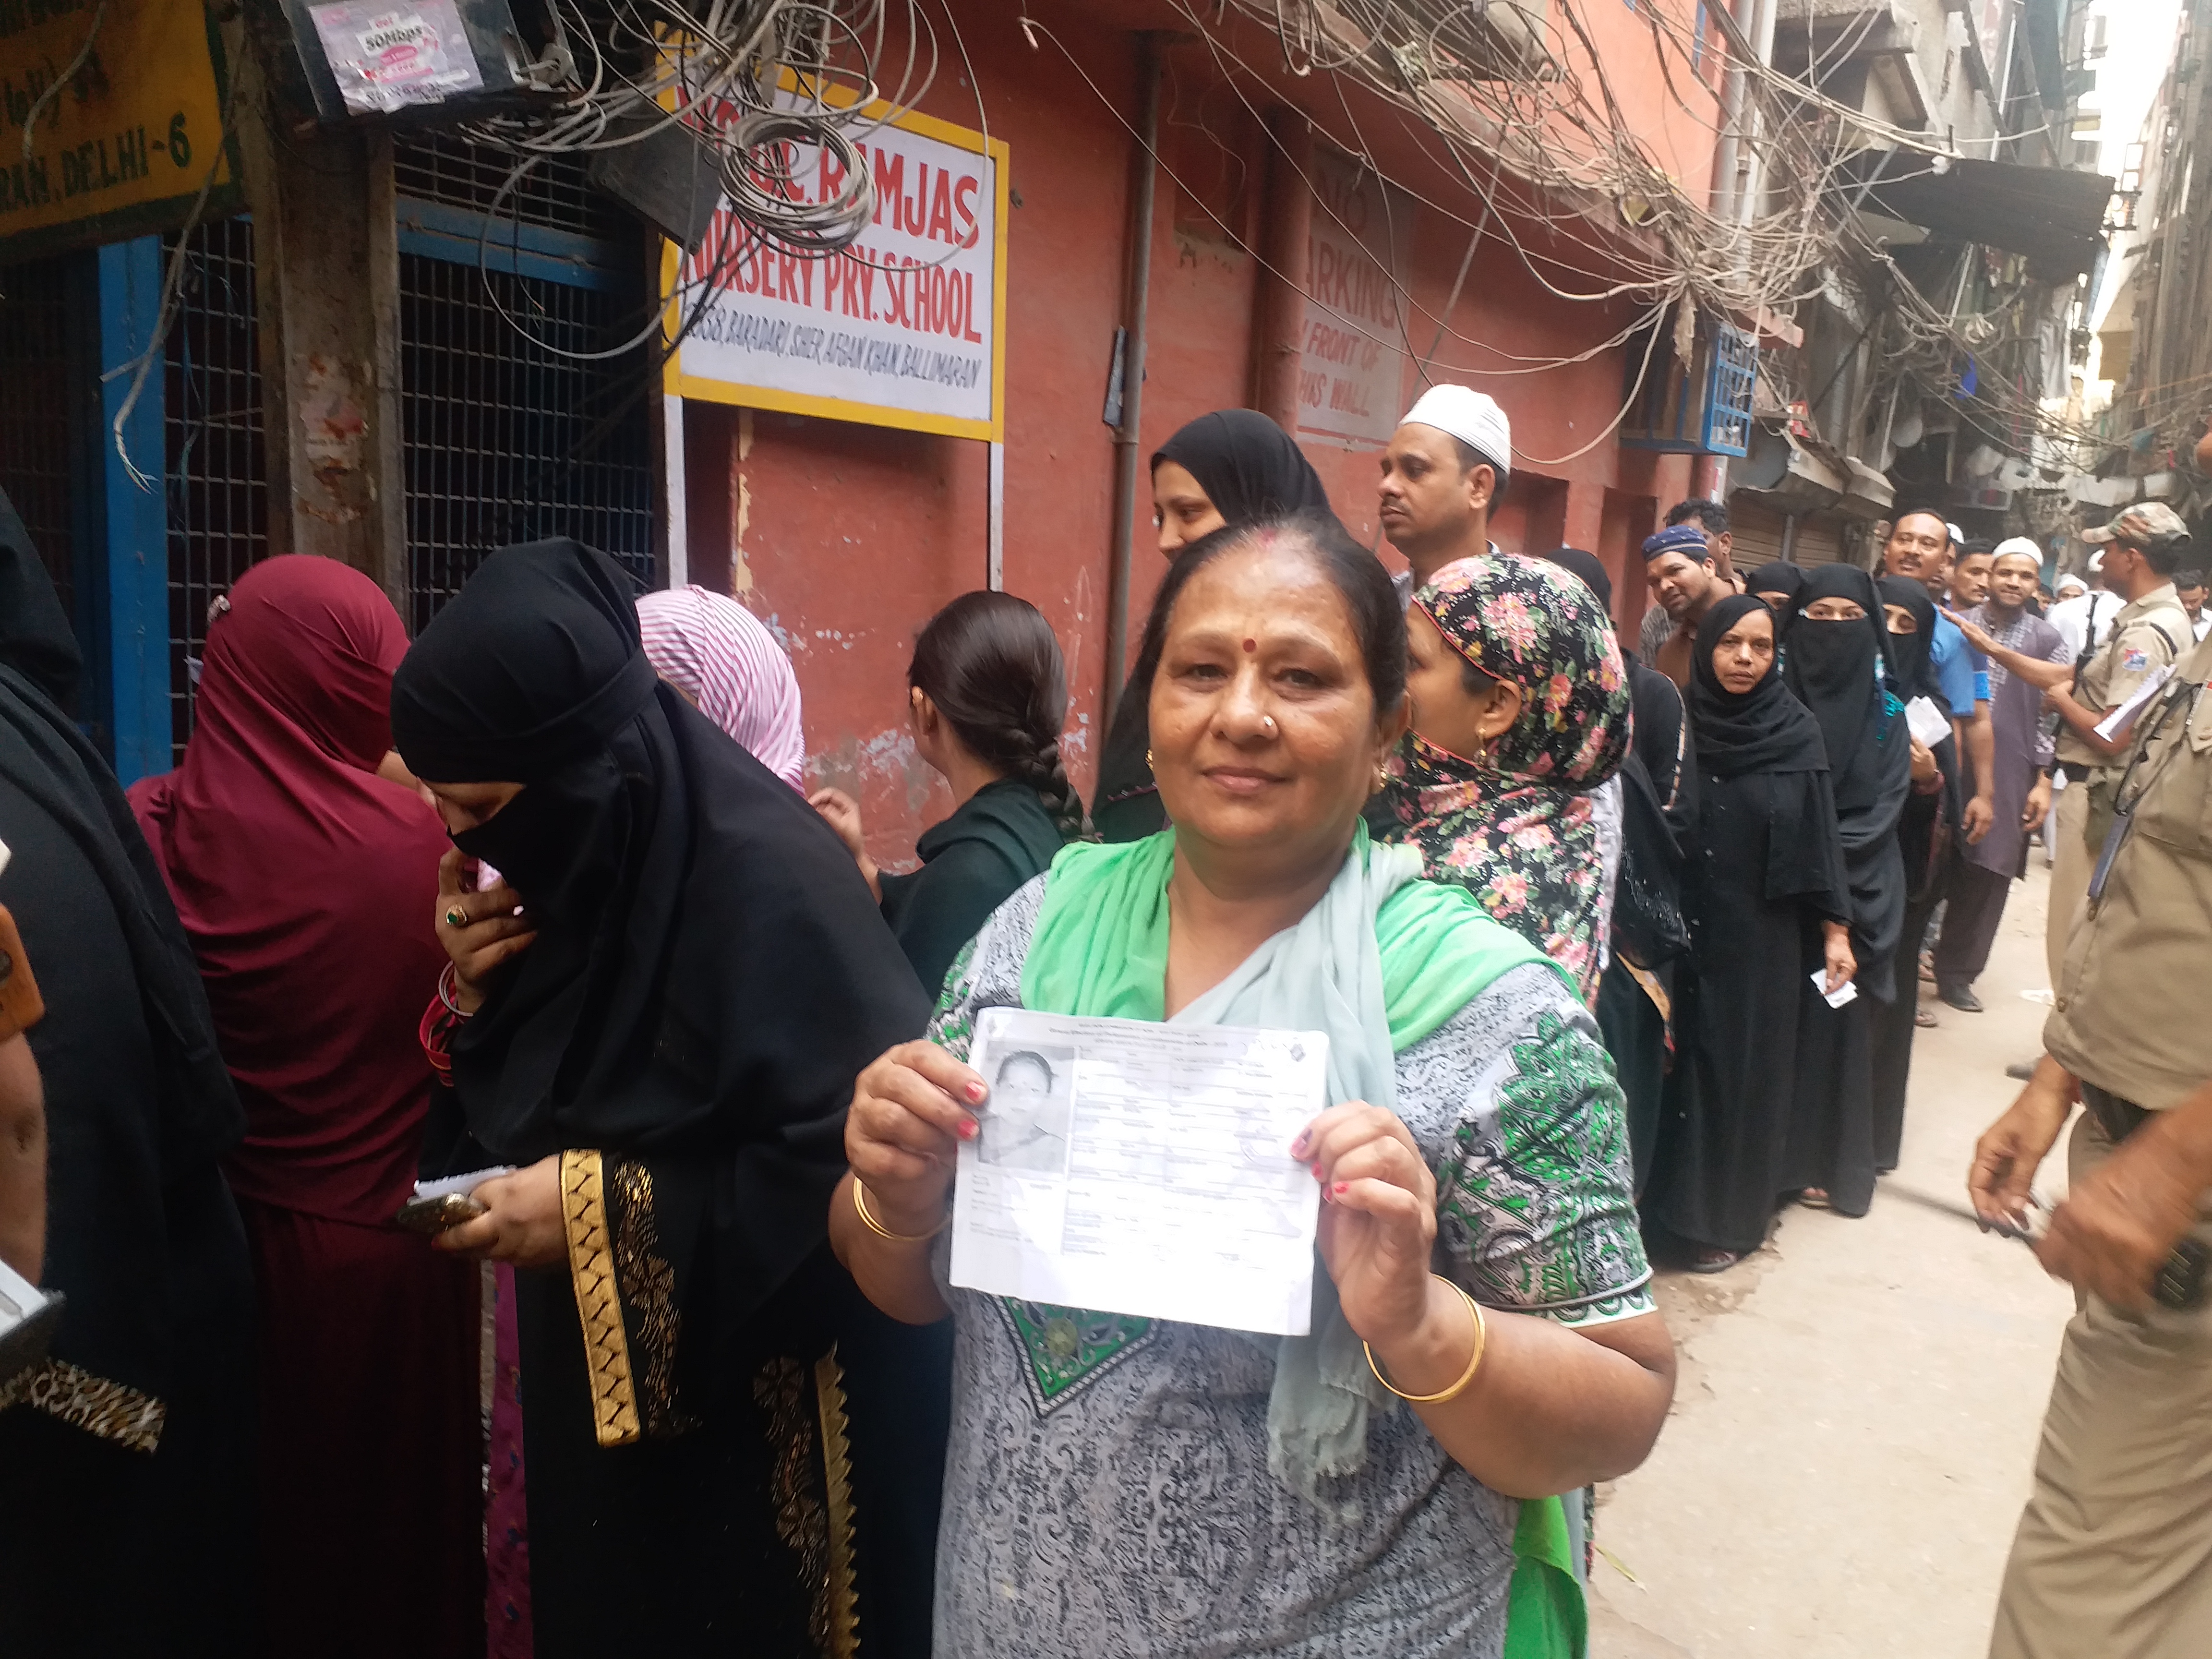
(127, 139)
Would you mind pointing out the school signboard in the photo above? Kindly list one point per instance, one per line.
(905, 328)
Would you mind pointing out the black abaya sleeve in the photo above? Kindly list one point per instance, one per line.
(1804, 847)
(1865, 825)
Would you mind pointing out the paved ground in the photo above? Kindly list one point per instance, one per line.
(1858, 1411)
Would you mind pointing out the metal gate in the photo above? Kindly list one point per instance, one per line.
(216, 464)
(511, 431)
(36, 362)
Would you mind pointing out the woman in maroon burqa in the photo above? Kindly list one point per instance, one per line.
(307, 884)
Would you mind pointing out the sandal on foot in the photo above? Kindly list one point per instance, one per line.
(1814, 1198)
(1714, 1261)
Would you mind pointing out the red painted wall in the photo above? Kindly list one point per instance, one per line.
(847, 538)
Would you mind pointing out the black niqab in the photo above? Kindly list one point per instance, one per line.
(142, 1236)
(35, 637)
(1912, 656)
(1835, 669)
(1590, 567)
(543, 678)
(709, 973)
(1249, 468)
(1765, 729)
(1779, 577)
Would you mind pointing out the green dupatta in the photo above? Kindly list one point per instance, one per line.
(1383, 961)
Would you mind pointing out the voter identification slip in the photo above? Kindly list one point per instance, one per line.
(1129, 1167)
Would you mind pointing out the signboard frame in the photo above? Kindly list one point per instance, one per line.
(225, 197)
(1357, 356)
(679, 382)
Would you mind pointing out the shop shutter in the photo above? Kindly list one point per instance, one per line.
(1759, 530)
(1818, 541)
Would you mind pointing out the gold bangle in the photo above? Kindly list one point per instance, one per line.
(1474, 1360)
(867, 1217)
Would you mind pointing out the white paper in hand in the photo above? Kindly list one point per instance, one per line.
(1134, 1168)
(1847, 993)
(1926, 722)
(463, 1184)
(2115, 725)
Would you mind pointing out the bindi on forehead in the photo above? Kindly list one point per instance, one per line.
(1251, 645)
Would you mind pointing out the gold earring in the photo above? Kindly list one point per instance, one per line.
(1148, 757)
(1381, 775)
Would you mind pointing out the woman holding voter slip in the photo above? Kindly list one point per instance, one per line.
(1766, 895)
(1836, 658)
(1480, 1334)
(655, 1019)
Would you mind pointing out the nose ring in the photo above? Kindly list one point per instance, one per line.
(1268, 722)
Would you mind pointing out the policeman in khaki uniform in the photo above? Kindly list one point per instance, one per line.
(2143, 547)
(2113, 1556)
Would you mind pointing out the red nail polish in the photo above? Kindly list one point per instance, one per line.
(1342, 1188)
(975, 1092)
(967, 1127)
(1316, 1169)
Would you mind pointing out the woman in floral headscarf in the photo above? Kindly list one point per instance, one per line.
(1520, 710)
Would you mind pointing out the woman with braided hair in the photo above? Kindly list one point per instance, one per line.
(986, 693)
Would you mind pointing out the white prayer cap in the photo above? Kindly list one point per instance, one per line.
(2071, 583)
(1473, 417)
(1958, 536)
(2026, 546)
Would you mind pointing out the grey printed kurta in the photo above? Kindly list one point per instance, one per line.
(1107, 1491)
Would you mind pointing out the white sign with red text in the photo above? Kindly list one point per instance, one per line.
(1351, 373)
(904, 328)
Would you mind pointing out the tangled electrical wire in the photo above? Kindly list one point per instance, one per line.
(777, 97)
(746, 79)
(1532, 124)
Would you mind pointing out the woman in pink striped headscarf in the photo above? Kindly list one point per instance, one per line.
(721, 657)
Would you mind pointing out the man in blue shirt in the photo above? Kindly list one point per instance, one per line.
(1919, 550)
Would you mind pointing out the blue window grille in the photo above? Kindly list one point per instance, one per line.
(1702, 407)
(508, 437)
(216, 460)
(1727, 391)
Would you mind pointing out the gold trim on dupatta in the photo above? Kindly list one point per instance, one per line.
(598, 1306)
(844, 1608)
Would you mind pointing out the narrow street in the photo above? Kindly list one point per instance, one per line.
(1858, 1410)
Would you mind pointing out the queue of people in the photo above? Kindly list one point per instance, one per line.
(1615, 958)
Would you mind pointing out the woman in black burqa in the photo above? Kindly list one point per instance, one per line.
(718, 1436)
(128, 1461)
(1765, 863)
(1927, 831)
(1233, 466)
(1836, 660)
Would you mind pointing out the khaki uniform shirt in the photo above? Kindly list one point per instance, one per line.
(2146, 636)
(2134, 1010)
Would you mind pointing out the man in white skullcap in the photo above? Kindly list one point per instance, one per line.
(2025, 656)
(1445, 469)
